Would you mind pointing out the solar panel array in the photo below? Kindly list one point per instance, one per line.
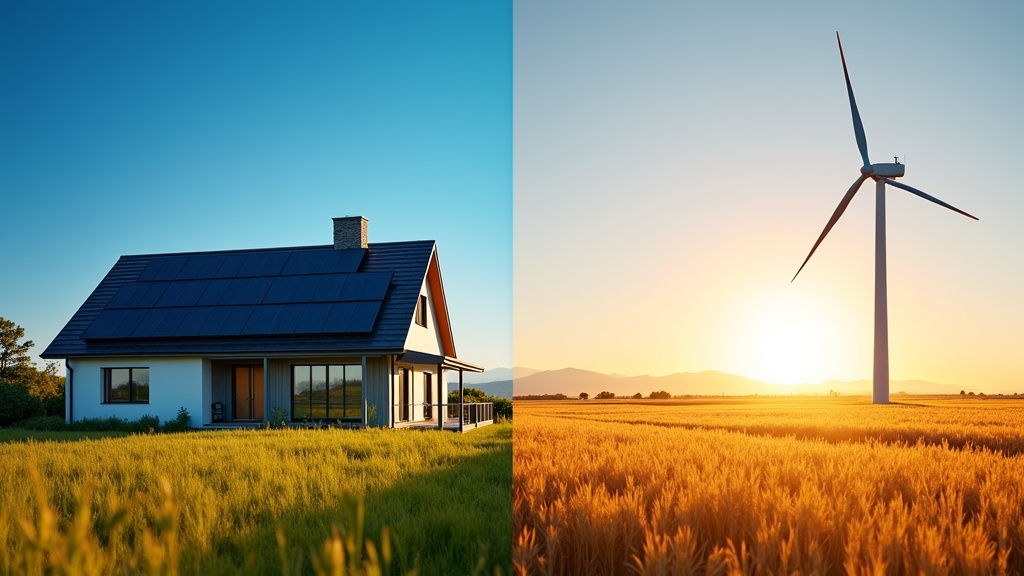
(312, 291)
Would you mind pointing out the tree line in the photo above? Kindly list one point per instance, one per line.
(25, 390)
(605, 395)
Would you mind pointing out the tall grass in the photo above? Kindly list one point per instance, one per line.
(995, 423)
(698, 495)
(445, 498)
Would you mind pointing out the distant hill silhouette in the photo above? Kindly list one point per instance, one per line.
(494, 382)
(572, 381)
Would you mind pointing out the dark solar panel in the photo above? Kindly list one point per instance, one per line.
(138, 295)
(192, 324)
(253, 290)
(125, 294)
(172, 265)
(229, 268)
(169, 325)
(363, 316)
(329, 288)
(151, 320)
(214, 322)
(106, 325)
(235, 320)
(215, 290)
(148, 295)
(245, 291)
(376, 286)
(336, 261)
(304, 262)
(313, 318)
(345, 317)
(353, 288)
(338, 317)
(274, 319)
(323, 261)
(152, 269)
(294, 289)
(182, 293)
(204, 266)
(262, 264)
(315, 291)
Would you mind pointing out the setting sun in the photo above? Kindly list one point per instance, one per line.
(788, 335)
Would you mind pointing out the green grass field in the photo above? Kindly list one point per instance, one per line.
(445, 498)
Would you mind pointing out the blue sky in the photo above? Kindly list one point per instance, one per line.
(132, 128)
(675, 161)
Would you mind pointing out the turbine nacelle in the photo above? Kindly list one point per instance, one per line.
(884, 170)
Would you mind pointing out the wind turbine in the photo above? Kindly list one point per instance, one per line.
(882, 174)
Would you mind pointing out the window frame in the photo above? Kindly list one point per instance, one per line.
(327, 404)
(107, 379)
(421, 310)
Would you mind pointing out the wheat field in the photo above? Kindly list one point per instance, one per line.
(769, 486)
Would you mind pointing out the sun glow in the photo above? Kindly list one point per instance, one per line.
(783, 337)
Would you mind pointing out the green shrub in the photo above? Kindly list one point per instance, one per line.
(502, 408)
(111, 423)
(145, 425)
(54, 405)
(44, 423)
(278, 418)
(16, 404)
(180, 422)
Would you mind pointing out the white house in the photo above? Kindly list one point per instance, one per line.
(354, 333)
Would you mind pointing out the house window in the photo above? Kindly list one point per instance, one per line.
(327, 392)
(127, 385)
(421, 310)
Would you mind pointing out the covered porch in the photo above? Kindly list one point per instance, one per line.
(424, 412)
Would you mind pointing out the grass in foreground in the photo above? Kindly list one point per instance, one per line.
(444, 497)
(694, 493)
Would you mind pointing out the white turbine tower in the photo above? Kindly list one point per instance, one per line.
(882, 174)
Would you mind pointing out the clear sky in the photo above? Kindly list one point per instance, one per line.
(675, 161)
(150, 127)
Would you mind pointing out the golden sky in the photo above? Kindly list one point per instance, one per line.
(673, 166)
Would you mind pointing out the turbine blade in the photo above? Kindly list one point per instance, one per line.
(858, 126)
(835, 218)
(926, 196)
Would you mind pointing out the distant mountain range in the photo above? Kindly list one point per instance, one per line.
(572, 381)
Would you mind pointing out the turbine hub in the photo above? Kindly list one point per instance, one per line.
(886, 170)
(867, 169)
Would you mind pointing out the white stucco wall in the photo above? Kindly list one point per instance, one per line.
(425, 339)
(173, 383)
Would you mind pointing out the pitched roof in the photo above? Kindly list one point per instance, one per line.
(312, 299)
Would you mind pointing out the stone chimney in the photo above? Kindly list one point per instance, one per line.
(349, 232)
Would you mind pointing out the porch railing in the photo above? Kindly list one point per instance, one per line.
(473, 414)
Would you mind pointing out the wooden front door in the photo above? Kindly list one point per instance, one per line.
(248, 393)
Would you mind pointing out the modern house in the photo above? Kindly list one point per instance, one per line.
(354, 333)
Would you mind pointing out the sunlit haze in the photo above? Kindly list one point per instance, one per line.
(674, 163)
